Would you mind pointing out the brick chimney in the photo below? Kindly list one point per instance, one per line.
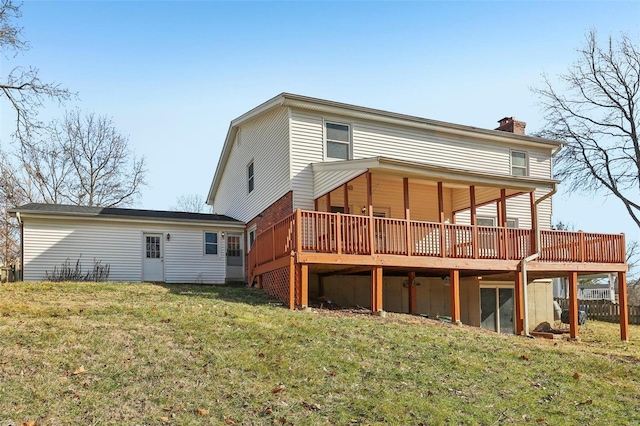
(510, 124)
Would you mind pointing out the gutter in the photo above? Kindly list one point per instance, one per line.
(523, 263)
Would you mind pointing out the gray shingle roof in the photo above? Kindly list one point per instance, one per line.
(64, 209)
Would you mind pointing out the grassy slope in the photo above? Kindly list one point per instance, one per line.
(151, 352)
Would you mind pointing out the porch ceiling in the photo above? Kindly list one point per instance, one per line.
(340, 172)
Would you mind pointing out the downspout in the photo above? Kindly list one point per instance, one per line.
(21, 246)
(523, 263)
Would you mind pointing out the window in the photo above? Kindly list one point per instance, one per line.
(338, 141)
(210, 243)
(512, 223)
(153, 247)
(485, 221)
(519, 163)
(250, 176)
(252, 237)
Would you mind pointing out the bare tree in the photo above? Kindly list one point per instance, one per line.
(83, 160)
(597, 113)
(193, 203)
(22, 87)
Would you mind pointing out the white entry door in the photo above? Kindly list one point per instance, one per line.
(152, 258)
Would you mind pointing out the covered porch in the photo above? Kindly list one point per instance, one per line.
(399, 218)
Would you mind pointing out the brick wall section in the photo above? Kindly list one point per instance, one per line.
(273, 214)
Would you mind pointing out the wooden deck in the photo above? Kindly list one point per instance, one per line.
(334, 238)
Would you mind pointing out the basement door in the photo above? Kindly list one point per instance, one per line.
(496, 309)
(152, 258)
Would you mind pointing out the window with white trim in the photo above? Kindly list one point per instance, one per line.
(486, 221)
(512, 223)
(250, 177)
(519, 163)
(337, 141)
(210, 243)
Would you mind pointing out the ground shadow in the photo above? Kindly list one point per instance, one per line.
(229, 293)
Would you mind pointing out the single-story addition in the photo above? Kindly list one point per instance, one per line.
(137, 245)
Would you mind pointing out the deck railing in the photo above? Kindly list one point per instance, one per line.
(338, 233)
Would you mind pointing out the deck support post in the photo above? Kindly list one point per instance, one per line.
(412, 293)
(376, 289)
(573, 305)
(624, 306)
(519, 302)
(455, 296)
(292, 282)
(303, 274)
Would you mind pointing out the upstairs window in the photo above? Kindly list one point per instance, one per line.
(250, 177)
(338, 141)
(210, 243)
(519, 163)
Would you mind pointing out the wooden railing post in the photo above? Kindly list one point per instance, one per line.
(298, 227)
(273, 243)
(582, 247)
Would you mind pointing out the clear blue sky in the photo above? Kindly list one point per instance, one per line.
(173, 75)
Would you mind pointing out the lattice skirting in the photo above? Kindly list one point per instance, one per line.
(276, 283)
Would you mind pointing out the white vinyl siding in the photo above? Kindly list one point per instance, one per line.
(48, 243)
(370, 139)
(306, 148)
(265, 141)
(328, 181)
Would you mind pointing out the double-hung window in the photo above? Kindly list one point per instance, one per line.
(337, 141)
(519, 163)
(210, 243)
(250, 177)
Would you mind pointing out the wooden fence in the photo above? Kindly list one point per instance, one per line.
(603, 310)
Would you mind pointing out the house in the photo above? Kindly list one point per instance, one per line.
(137, 245)
(400, 213)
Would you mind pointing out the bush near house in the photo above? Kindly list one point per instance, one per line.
(105, 353)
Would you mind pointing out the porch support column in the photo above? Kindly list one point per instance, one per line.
(534, 221)
(519, 302)
(328, 202)
(573, 305)
(372, 235)
(455, 296)
(474, 221)
(407, 215)
(503, 210)
(443, 247)
(624, 307)
(376, 289)
(502, 223)
(346, 198)
(412, 293)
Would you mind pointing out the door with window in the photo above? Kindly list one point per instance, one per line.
(497, 309)
(235, 257)
(152, 258)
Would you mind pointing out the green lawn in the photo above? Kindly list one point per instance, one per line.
(149, 354)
